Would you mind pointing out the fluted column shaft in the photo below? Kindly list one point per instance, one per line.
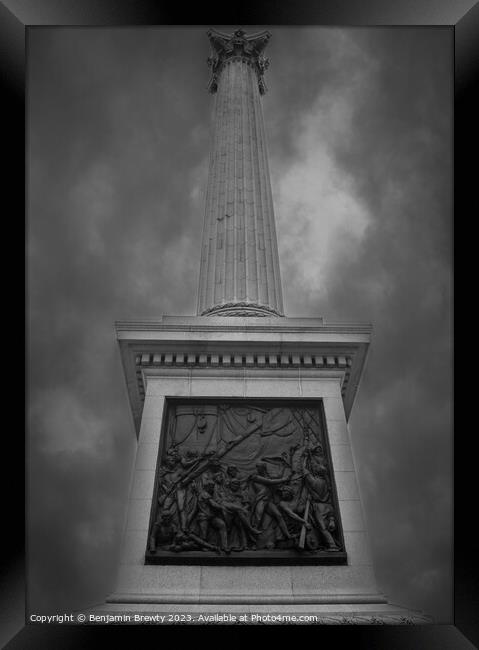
(239, 259)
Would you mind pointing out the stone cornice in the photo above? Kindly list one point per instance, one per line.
(237, 46)
(275, 346)
(240, 324)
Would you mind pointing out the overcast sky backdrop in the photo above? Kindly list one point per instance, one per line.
(359, 133)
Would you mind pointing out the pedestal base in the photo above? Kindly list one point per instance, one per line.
(215, 359)
(250, 613)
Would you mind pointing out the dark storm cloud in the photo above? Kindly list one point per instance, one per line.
(359, 127)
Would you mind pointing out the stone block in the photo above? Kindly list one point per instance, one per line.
(334, 409)
(226, 360)
(150, 430)
(319, 361)
(323, 580)
(357, 548)
(351, 515)
(191, 359)
(249, 360)
(272, 387)
(245, 581)
(307, 360)
(168, 359)
(238, 360)
(337, 431)
(320, 387)
(346, 485)
(261, 360)
(143, 481)
(180, 359)
(153, 407)
(134, 547)
(129, 579)
(162, 580)
(174, 580)
(150, 583)
(138, 515)
(342, 457)
(177, 384)
(146, 455)
(217, 387)
(215, 360)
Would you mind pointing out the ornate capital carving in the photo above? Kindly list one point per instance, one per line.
(238, 45)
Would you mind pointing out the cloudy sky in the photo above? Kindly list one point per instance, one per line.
(359, 135)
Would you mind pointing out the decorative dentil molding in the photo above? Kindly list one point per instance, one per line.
(237, 46)
(235, 346)
(239, 361)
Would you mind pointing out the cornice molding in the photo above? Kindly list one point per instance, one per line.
(274, 325)
(279, 347)
(264, 360)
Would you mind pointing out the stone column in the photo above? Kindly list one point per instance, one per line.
(239, 272)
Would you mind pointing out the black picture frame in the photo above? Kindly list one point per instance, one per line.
(463, 18)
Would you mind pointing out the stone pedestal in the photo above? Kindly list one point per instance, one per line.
(286, 358)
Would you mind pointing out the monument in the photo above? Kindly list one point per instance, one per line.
(244, 491)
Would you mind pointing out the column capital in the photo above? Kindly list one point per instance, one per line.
(237, 46)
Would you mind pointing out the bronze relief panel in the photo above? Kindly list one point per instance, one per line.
(244, 482)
